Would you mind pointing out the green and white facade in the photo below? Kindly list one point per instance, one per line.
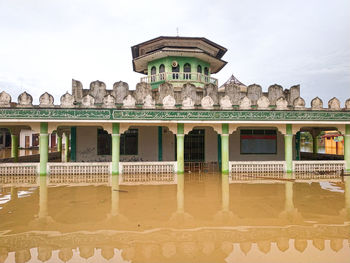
(176, 117)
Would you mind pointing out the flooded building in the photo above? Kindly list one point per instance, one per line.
(177, 117)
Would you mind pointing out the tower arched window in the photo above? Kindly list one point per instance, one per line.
(161, 72)
(153, 74)
(206, 73)
(187, 71)
(199, 69)
(176, 71)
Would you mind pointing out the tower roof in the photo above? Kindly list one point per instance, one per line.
(164, 46)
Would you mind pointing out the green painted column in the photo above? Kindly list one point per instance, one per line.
(225, 149)
(180, 148)
(66, 146)
(43, 148)
(347, 148)
(59, 143)
(288, 148)
(73, 144)
(115, 148)
(14, 147)
(160, 143)
(115, 196)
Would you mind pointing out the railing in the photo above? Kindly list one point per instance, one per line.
(257, 167)
(79, 168)
(155, 178)
(19, 168)
(147, 167)
(180, 76)
(79, 179)
(318, 167)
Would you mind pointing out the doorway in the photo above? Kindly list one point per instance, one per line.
(194, 146)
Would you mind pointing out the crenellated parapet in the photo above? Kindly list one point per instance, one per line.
(165, 96)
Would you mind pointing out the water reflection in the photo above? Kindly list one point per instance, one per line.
(203, 218)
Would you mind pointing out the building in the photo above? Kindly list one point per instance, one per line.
(177, 116)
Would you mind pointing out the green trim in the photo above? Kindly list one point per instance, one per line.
(180, 128)
(288, 148)
(224, 128)
(201, 115)
(115, 148)
(115, 128)
(43, 148)
(73, 144)
(14, 147)
(160, 143)
(347, 148)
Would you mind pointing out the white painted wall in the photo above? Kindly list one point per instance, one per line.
(168, 145)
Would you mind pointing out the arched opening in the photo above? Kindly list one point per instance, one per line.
(153, 74)
(176, 71)
(199, 69)
(187, 71)
(162, 72)
(206, 73)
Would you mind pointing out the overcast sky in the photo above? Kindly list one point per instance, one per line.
(44, 44)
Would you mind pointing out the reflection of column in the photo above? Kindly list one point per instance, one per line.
(180, 148)
(43, 211)
(225, 193)
(43, 147)
(225, 149)
(288, 203)
(14, 193)
(115, 148)
(288, 148)
(115, 196)
(180, 193)
(347, 148)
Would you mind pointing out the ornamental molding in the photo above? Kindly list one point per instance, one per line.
(173, 115)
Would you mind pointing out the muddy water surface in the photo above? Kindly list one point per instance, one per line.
(201, 218)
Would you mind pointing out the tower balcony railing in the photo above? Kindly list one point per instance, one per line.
(180, 77)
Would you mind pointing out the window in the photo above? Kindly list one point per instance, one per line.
(153, 73)
(187, 70)
(161, 70)
(199, 69)
(129, 142)
(206, 73)
(176, 71)
(104, 142)
(258, 141)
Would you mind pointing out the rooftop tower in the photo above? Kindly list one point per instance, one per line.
(178, 60)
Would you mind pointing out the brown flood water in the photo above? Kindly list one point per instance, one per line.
(202, 218)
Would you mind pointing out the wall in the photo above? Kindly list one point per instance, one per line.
(168, 145)
(235, 148)
(87, 145)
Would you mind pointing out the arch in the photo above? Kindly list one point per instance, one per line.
(187, 70)
(206, 73)
(175, 71)
(153, 73)
(199, 69)
(162, 72)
